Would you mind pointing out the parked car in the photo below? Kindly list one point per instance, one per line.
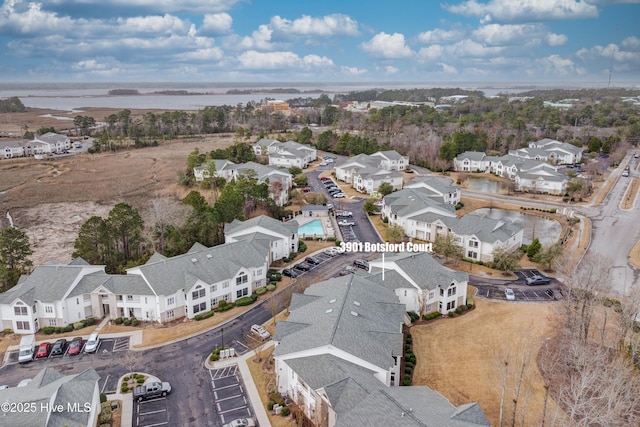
(92, 343)
(59, 347)
(344, 214)
(152, 390)
(339, 196)
(537, 280)
(325, 178)
(349, 269)
(329, 205)
(312, 260)
(511, 296)
(241, 422)
(289, 272)
(346, 222)
(360, 263)
(75, 347)
(636, 155)
(261, 332)
(332, 252)
(43, 350)
(303, 266)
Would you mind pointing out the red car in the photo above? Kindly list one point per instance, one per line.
(324, 178)
(75, 346)
(43, 350)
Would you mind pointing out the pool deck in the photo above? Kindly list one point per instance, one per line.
(325, 222)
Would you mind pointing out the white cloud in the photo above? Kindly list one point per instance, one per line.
(471, 48)
(446, 68)
(440, 36)
(216, 23)
(259, 39)
(254, 60)
(553, 39)
(325, 26)
(20, 17)
(632, 43)
(390, 69)
(167, 24)
(155, 6)
(556, 66)
(525, 10)
(430, 53)
(354, 71)
(207, 54)
(389, 46)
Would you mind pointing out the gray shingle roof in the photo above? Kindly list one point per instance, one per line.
(118, 284)
(211, 265)
(43, 387)
(408, 407)
(471, 155)
(486, 229)
(283, 228)
(410, 201)
(440, 184)
(423, 269)
(47, 283)
(352, 314)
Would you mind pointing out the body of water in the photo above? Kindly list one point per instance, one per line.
(486, 185)
(75, 96)
(546, 230)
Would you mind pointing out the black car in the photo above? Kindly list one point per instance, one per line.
(58, 348)
(289, 272)
(303, 266)
(360, 263)
(312, 260)
(537, 280)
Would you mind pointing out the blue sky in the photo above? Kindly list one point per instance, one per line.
(519, 41)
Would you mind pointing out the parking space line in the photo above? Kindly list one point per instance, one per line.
(151, 401)
(152, 412)
(234, 409)
(239, 342)
(227, 386)
(154, 425)
(230, 397)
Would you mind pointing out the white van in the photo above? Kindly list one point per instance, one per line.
(92, 343)
(27, 344)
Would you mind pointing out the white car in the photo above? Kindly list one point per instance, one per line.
(241, 422)
(332, 252)
(345, 214)
(92, 343)
(260, 332)
(346, 222)
(339, 196)
(511, 296)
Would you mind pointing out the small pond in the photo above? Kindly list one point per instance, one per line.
(486, 185)
(546, 230)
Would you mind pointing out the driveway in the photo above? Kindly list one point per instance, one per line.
(494, 288)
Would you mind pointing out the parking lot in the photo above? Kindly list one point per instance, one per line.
(151, 413)
(320, 257)
(229, 394)
(551, 292)
(106, 346)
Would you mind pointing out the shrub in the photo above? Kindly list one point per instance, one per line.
(432, 316)
(271, 287)
(270, 405)
(78, 325)
(285, 412)
(126, 378)
(138, 376)
(302, 246)
(224, 307)
(451, 314)
(140, 381)
(253, 297)
(67, 328)
(406, 380)
(413, 316)
(241, 302)
(89, 321)
(105, 407)
(134, 322)
(408, 369)
(7, 331)
(127, 322)
(385, 220)
(275, 396)
(103, 398)
(118, 321)
(203, 316)
(58, 329)
(105, 417)
(261, 291)
(214, 357)
(410, 364)
(124, 388)
(48, 330)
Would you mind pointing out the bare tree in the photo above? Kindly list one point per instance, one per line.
(163, 213)
(130, 359)
(257, 345)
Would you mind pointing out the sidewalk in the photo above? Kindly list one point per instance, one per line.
(252, 391)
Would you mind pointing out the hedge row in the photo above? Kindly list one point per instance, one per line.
(48, 330)
(127, 321)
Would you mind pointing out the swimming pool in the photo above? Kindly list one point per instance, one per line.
(311, 228)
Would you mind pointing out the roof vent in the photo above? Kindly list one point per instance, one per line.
(209, 256)
(328, 310)
(332, 301)
(354, 314)
(194, 259)
(356, 303)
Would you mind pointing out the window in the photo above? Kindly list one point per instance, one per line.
(48, 309)
(34, 308)
(214, 288)
(473, 243)
(258, 273)
(77, 301)
(53, 322)
(242, 292)
(452, 291)
(405, 292)
(441, 292)
(226, 297)
(129, 297)
(171, 300)
(20, 311)
(225, 285)
(198, 293)
(432, 294)
(23, 326)
(429, 307)
(451, 305)
(199, 307)
(472, 255)
(170, 314)
(214, 302)
(241, 279)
